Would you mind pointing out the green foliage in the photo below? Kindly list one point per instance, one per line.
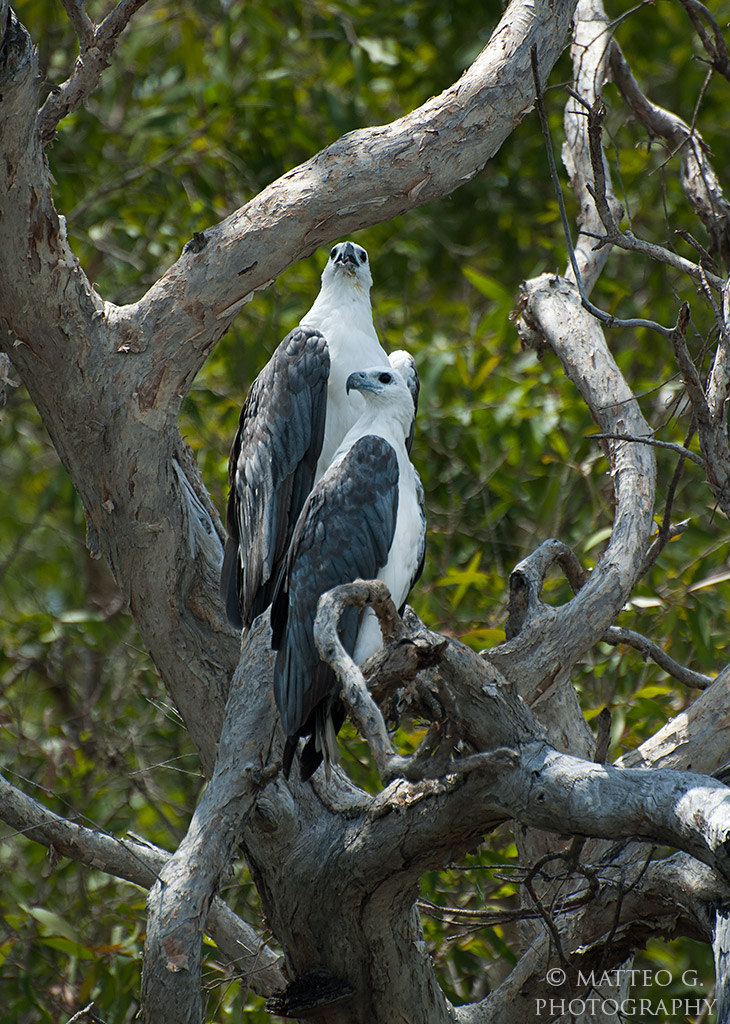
(203, 106)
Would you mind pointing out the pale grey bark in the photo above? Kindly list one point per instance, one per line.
(337, 871)
(139, 863)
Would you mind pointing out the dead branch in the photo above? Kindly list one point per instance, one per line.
(140, 863)
(96, 47)
(699, 180)
(616, 635)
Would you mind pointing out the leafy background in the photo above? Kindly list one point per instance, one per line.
(203, 106)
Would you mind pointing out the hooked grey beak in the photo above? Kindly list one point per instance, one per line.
(358, 381)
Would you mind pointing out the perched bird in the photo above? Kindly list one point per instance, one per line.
(363, 520)
(295, 416)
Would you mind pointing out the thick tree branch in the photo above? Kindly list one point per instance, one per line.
(698, 738)
(141, 864)
(551, 313)
(589, 51)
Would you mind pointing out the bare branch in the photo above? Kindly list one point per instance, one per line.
(715, 48)
(700, 182)
(96, 49)
(81, 22)
(618, 635)
(140, 863)
(552, 311)
(527, 579)
(685, 453)
(364, 711)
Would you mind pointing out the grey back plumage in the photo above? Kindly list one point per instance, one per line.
(272, 469)
(344, 533)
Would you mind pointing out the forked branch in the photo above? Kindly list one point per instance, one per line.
(96, 47)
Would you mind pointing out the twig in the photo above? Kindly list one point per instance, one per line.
(96, 48)
(616, 635)
(685, 453)
(549, 923)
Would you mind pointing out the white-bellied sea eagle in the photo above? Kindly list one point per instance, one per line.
(294, 418)
(363, 520)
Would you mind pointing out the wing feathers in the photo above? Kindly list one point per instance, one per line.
(271, 469)
(344, 533)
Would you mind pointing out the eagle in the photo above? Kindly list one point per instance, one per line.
(364, 519)
(294, 418)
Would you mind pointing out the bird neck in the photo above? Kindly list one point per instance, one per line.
(341, 301)
(387, 421)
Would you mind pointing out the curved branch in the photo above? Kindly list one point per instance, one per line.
(618, 635)
(527, 578)
(551, 312)
(366, 177)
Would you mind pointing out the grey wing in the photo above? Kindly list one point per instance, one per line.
(344, 533)
(422, 538)
(271, 470)
(405, 364)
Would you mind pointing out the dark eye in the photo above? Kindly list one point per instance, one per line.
(385, 378)
(363, 257)
(333, 252)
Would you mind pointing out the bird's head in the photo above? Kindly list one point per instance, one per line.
(348, 263)
(384, 388)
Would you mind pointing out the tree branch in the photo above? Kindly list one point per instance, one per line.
(683, 452)
(699, 180)
(177, 904)
(97, 45)
(140, 863)
(527, 579)
(616, 635)
(716, 48)
(540, 659)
